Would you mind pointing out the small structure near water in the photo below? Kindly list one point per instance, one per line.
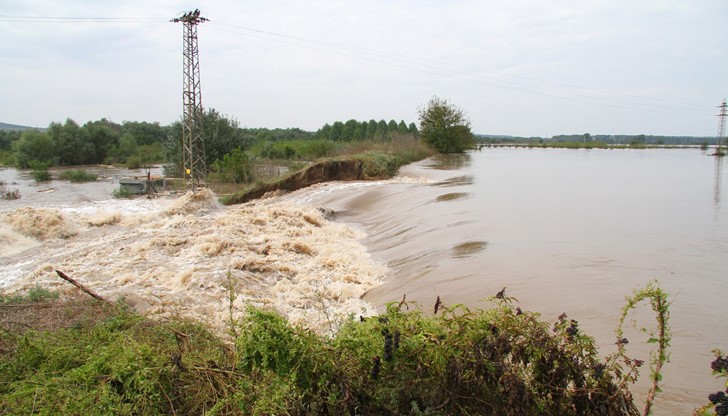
(142, 186)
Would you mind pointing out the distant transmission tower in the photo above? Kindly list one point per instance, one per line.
(193, 145)
(721, 128)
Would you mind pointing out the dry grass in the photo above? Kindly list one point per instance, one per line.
(52, 315)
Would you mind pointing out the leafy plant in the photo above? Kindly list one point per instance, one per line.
(718, 400)
(78, 175)
(659, 336)
(34, 294)
(6, 193)
(121, 193)
(39, 171)
(444, 127)
(233, 167)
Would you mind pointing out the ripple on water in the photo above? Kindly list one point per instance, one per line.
(452, 196)
(468, 249)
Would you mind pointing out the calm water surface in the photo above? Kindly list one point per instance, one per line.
(570, 231)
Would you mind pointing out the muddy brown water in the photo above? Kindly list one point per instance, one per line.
(570, 231)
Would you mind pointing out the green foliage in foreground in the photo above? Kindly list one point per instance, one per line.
(500, 361)
(34, 294)
(77, 175)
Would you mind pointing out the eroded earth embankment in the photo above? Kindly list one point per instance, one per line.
(325, 171)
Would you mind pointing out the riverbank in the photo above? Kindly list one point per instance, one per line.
(500, 361)
(372, 165)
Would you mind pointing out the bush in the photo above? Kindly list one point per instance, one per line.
(457, 361)
(444, 127)
(78, 175)
(6, 193)
(34, 294)
(234, 167)
(379, 165)
(39, 171)
(121, 193)
(133, 162)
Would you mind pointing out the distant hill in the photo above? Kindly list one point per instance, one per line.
(6, 126)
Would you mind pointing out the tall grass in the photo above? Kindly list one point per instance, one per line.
(78, 175)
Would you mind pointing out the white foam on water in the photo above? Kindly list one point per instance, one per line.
(177, 260)
(13, 242)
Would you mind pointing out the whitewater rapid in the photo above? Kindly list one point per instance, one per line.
(181, 257)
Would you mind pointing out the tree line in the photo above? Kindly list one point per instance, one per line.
(101, 141)
(444, 128)
(135, 143)
(354, 130)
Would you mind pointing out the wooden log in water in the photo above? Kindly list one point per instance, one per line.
(80, 286)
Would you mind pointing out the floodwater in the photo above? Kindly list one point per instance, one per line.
(572, 231)
(182, 256)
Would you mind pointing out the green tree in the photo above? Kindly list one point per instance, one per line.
(413, 129)
(347, 133)
(233, 167)
(371, 129)
(392, 127)
(402, 127)
(337, 130)
(7, 137)
(444, 127)
(221, 136)
(34, 145)
(72, 143)
(144, 133)
(382, 129)
(103, 134)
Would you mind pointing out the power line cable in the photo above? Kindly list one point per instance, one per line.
(382, 58)
(527, 85)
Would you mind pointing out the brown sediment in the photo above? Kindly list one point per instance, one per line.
(325, 171)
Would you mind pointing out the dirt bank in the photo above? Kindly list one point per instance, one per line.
(325, 171)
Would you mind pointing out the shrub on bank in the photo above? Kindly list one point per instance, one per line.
(78, 175)
(500, 361)
(39, 171)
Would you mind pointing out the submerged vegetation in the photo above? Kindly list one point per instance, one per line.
(497, 361)
(7, 193)
(78, 175)
(39, 171)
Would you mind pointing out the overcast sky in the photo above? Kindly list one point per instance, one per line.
(518, 67)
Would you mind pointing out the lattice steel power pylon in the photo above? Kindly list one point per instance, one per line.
(193, 144)
(721, 139)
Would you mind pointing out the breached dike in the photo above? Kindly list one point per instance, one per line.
(330, 170)
(183, 261)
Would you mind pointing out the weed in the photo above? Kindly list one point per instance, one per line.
(78, 175)
(39, 171)
(6, 193)
(122, 193)
(496, 361)
(32, 295)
